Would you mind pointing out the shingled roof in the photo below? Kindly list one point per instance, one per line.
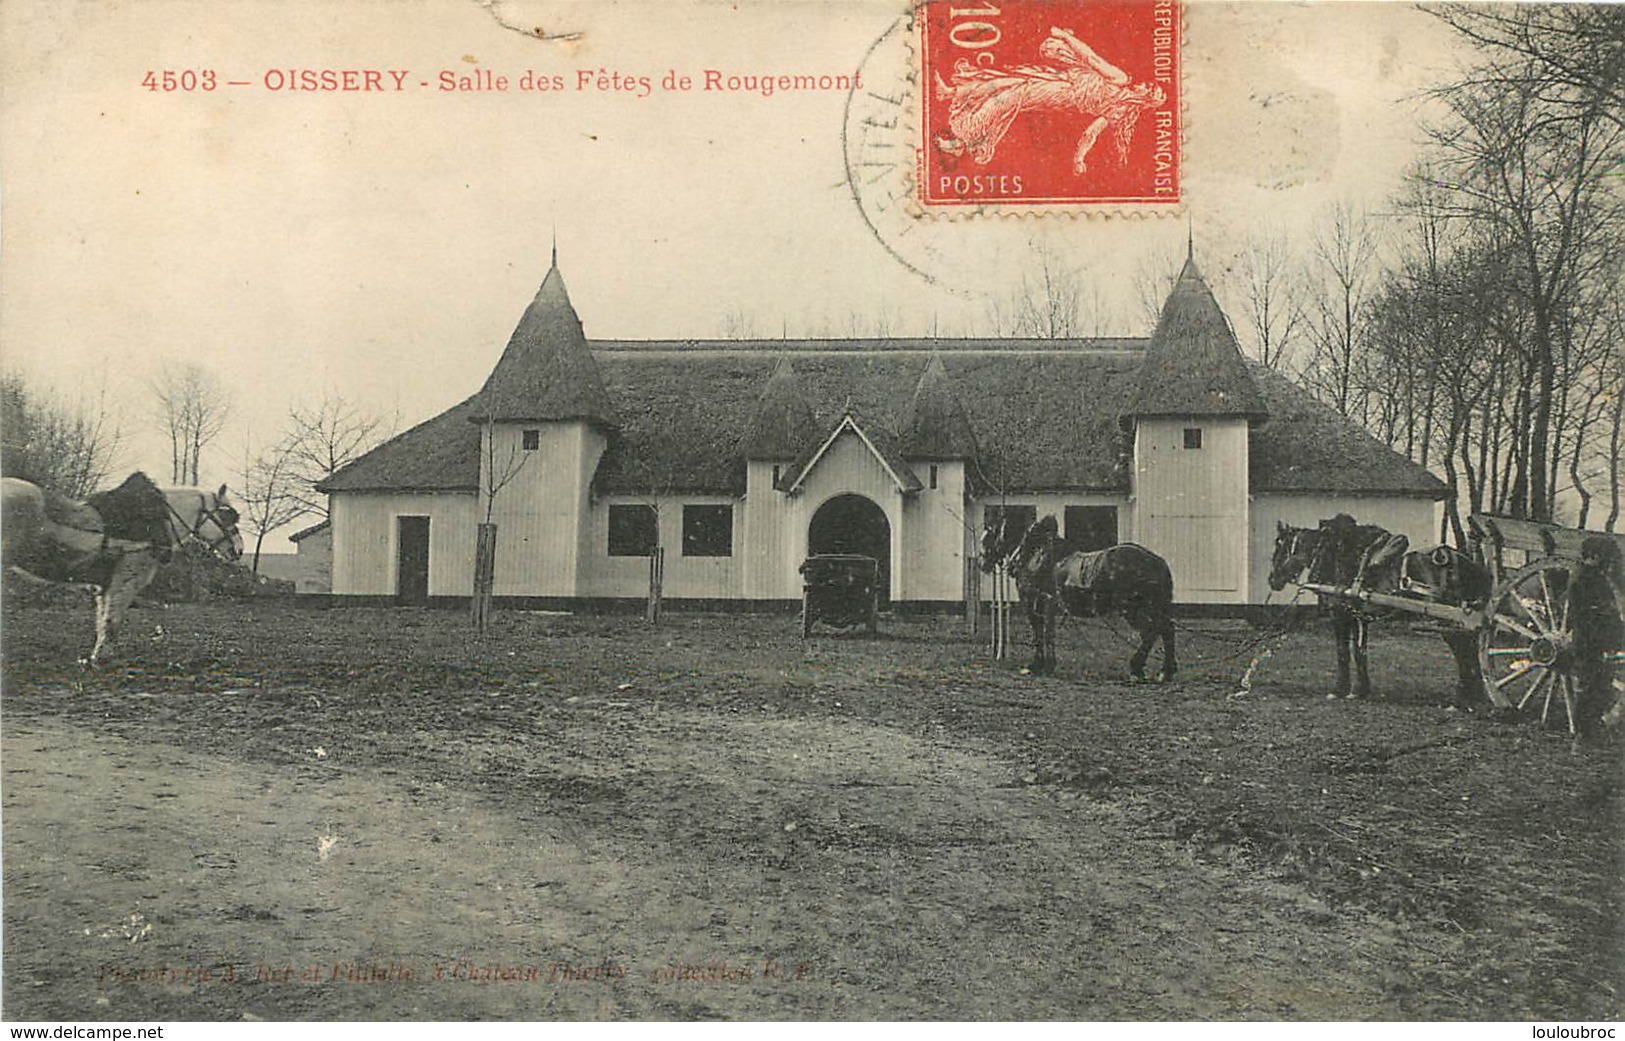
(438, 455)
(1045, 418)
(547, 371)
(784, 426)
(936, 426)
(1305, 446)
(1193, 366)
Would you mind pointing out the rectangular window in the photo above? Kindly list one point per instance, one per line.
(1193, 437)
(633, 531)
(708, 531)
(933, 475)
(530, 440)
(1091, 527)
(1021, 517)
(776, 475)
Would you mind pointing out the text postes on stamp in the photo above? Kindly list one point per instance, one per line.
(1064, 102)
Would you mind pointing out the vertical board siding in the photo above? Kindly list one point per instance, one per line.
(769, 522)
(1191, 505)
(933, 523)
(539, 512)
(364, 541)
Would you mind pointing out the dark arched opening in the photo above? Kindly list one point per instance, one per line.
(853, 524)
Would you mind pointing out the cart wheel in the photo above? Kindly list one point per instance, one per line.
(1526, 646)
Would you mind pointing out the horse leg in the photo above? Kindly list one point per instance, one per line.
(1341, 635)
(1469, 680)
(103, 626)
(1170, 664)
(1148, 636)
(1051, 620)
(1035, 625)
(1362, 673)
(131, 574)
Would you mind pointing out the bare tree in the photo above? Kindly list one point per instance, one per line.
(1155, 275)
(67, 447)
(1574, 51)
(192, 405)
(496, 474)
(1049, 302)
(1537, 177)
(1275, 298)
(270, 494)
(322, 439)
(1345, 252)
(738, 325)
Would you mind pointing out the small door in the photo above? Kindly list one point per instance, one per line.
(412, 560)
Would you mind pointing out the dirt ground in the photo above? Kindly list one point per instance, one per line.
(265, 810)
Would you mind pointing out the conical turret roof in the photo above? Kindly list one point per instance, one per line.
(784, 425)
(1193, 364)
(937, 426)
(547, 371)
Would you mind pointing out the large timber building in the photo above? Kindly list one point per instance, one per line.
(740, 458)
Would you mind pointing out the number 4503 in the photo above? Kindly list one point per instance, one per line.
(186, 79)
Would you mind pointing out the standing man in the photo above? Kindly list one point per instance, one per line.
(1599, 633)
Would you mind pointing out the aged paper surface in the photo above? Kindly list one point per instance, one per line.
(359, 199)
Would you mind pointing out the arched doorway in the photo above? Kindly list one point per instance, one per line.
(853, 524)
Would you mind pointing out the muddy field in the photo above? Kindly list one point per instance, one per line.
(273, 811)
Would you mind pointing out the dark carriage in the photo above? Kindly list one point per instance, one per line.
(840, 590)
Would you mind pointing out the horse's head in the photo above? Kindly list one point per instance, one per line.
(1033, 545)
(1000, 536)
(208, 517)
(1294, 549)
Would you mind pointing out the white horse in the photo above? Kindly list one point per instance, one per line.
(114, 544)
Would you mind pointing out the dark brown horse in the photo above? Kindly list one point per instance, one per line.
(1344, 553)
(1053, 576)
(113, 543)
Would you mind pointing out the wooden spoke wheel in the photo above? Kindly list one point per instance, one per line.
(1526, 647)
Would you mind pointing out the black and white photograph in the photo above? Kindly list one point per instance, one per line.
(1031, 511)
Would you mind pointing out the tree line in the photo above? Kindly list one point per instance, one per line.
(1475, 322)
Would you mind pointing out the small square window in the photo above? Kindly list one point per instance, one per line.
(633, 531)
(530, 440)
(708, 531)
(1193, 437)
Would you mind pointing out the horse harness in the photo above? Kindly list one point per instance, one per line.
(223, 516)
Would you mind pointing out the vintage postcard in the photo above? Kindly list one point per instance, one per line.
(998, 510)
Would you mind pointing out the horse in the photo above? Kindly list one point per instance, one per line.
(1344, 553)
(113, 543)
(1053, 576)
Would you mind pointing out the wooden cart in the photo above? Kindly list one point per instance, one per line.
(1525, 635)
(841, 590)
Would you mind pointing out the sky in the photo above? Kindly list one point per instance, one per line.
(381, 245)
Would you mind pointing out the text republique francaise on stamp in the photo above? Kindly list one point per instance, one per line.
(1049, 104)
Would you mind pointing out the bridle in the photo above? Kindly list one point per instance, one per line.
(1307, 558)
(221, 515)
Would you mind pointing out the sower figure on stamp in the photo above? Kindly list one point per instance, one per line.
(984, 102)
(1598, 634)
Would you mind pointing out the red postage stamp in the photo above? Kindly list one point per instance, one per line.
(1069, 102)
